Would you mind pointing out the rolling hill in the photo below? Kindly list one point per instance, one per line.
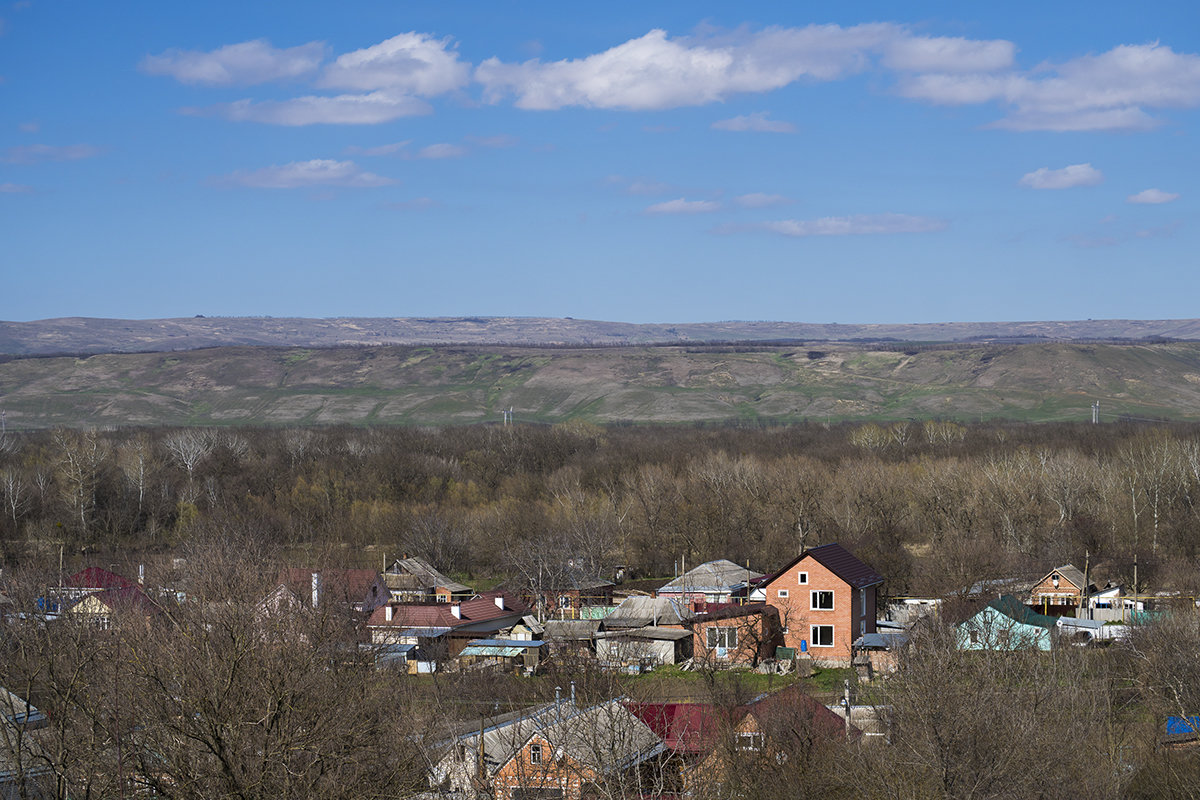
(387, 385)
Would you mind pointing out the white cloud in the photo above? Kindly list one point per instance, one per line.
(301, 174)
(756, 122)
(241, 64)
(760, 200)
(682, 206)
(442, 150)
(946, 54)
(1109, 91)
(655, 72)
(856, 225)
(37, 153)
(29, 127)
(380, 150)
(345, 109)
(1065, 178)
(1152, 197)
(414, 63)
(15, 188)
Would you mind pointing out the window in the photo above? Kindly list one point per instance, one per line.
(722, 637)
(535, 754)
(802, 577)
(750, 741)
(822, 600)
(822, 636)
(783, 593)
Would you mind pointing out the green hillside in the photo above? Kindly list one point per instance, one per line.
(450, 385)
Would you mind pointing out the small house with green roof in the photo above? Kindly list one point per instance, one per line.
(1007, 624)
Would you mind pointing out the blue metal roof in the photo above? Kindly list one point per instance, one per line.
(522, 643)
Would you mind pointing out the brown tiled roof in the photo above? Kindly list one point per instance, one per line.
(839, 561)
(439, 615)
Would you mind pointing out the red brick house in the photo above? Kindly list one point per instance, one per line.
(737, 635)
(826, 600)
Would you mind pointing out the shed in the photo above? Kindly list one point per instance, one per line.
(649, 646)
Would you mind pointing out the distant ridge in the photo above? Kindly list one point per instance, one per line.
(88, 335)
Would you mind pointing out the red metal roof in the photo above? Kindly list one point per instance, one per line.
(97, 578)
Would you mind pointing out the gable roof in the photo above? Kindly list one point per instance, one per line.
(1069, 572)
(97, 578)
(123, 598)
(638, 612)
(838, 560)
(713, 576)
(606, 737)
(1015, 610)
(422, 575)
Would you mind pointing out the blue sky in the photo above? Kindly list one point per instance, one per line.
(670, 162)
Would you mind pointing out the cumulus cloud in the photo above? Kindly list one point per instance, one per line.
(15, 188)
(760, 200)
(756, 122)
(37, 153)
(855, 225)
(655, 71)
(242, 64)
(302, 174)
(1065, 178)
(1152, 197)
(1109, 91)
(414, 63)
(345, 109)
(442, 150)
(682, 206)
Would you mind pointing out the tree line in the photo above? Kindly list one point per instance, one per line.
(934, 506)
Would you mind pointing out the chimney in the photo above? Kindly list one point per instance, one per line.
(316, 588)
(387, 614)
(141, 574)
(456, 610)
(500, 602)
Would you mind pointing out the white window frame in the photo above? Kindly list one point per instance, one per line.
(802, 578)
(812, 600)
(813, 636)
(535, 753)
(717, 633)
(783, 593)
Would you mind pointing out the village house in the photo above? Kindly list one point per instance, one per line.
(414, 580)
(774, 728)
(643, 648)
(1007, 624)
(1060, 592)
(826, 600)
(712, 582)
(101, 608)
(578, 749)
(737, 635)
(444, 629)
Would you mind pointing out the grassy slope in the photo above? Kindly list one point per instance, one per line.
(421, 385)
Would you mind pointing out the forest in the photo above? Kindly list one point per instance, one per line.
(933, 506)
(208, 698)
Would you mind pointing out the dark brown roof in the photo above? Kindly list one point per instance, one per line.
(839, 561)
(349, 585)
